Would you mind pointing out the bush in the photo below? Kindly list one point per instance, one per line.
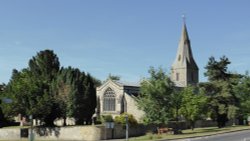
(121, 119)
(108, 118)
(98, 120)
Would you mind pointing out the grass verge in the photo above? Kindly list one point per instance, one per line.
(197, 132)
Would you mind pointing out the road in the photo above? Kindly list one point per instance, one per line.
(234, 136)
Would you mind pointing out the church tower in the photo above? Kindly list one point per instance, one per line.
(184, 70)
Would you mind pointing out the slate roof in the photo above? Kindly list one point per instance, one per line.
(123, 83)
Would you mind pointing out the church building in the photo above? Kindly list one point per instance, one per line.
(115, 98)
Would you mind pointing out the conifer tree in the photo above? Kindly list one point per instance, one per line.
(48, 92)
(222, 99)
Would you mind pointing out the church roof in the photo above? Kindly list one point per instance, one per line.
(130, 84)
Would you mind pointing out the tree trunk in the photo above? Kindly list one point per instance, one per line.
(64, 121)
(221, 120)
(192, 123)
(49, 122)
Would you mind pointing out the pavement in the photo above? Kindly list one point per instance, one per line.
(239, 135)
(233, 136)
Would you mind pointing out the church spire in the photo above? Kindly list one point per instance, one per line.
(184, 68)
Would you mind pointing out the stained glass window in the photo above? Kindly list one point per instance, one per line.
(109, 100)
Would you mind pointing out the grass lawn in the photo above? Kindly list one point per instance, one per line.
(189, 133)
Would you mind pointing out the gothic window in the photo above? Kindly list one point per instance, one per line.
(123, 105)
(192, 76)
(179, 58)
(109, 100)
(177, 76)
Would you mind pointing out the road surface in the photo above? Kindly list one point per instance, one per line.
(234, 136)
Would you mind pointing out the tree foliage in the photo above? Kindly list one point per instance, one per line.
(114, 77)
(121, 119)
(242, 91)
(75, 93)
(217, 70)
(193, 103)
(222, 99)
(48, 92)
(155, 97)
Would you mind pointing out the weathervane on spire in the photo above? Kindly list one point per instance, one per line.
(184, 18)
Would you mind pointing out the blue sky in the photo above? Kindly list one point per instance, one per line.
(122, 37)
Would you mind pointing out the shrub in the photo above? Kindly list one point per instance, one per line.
(121, 119)
(108, 118)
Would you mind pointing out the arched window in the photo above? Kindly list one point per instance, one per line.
(109, 100)
(177, 76)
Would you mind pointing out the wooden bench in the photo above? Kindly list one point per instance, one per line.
(165, 130)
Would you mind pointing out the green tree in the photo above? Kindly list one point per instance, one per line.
(44, 67)
(49, 93)
(76, 93)
(176, 104)
(19, 89)
(61, 88)
(222, 99)
(217, 70)
(89, 98)
(193, 103)
(114, 77)
(30, 89)
(242, 90)
(157, 92)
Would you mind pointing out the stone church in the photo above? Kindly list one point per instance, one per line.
(116, 97)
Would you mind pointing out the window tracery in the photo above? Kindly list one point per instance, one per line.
(109, 100)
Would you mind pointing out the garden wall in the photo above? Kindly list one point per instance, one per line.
(83, 133)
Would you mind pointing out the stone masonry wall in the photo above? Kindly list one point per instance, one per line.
(76, 133)
(132, 108)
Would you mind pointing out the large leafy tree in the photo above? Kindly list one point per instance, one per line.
(44, 68)
(30, 88)
(193, 104)
(242, 90)
(155, 98)
(76, 95)
(20, 89)
(47, 92)
(223, 101)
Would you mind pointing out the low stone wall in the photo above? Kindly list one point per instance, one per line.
(68, 133)
(120, 132)
(93, 133)
(9, 134)
(83, 133)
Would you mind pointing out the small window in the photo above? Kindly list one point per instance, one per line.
(177, 76)
(179, 58)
